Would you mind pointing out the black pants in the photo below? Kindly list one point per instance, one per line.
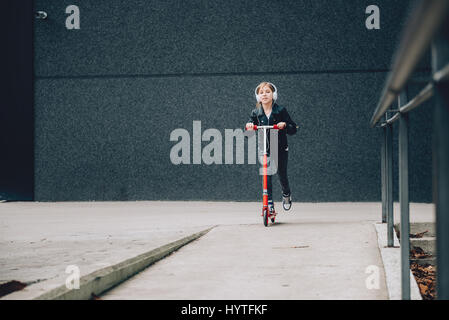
(282, 174)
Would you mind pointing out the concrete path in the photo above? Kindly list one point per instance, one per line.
(335, 243)
(290, 260)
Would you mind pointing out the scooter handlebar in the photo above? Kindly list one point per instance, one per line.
(256, 127)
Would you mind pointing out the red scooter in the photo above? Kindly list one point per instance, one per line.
(265, 210)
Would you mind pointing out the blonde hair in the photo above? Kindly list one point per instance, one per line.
(260, 86)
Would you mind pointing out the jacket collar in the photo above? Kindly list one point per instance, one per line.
(275, 109)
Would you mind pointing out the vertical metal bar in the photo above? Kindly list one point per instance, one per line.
(383, 174)
(440, 57)
(389, 163)
(404, 199)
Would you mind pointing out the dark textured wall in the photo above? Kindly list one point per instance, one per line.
(16, 101)
(108, 95)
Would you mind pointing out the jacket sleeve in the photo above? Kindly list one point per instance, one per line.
(291, 125)
(252, 119)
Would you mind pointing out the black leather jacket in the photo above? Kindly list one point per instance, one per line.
(278, 114)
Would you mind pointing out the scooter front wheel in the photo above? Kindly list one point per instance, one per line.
(265, 217)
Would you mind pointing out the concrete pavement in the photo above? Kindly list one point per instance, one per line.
(290, 260)
(335, 243)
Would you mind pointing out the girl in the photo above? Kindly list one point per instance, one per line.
(267, 112)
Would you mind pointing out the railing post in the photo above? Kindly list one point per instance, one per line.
(383, 173)
(440, 56)
(404, 199)
(389, 180)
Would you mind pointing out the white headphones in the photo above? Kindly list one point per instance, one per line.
(275, 93)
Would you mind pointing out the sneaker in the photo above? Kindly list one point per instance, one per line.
(271, 207)
(287, 202)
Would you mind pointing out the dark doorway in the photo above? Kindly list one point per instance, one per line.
(16, 103)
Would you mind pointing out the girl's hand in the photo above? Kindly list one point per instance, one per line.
(281, 125)
(249, 126)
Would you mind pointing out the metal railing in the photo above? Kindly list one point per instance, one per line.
(428, 25)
